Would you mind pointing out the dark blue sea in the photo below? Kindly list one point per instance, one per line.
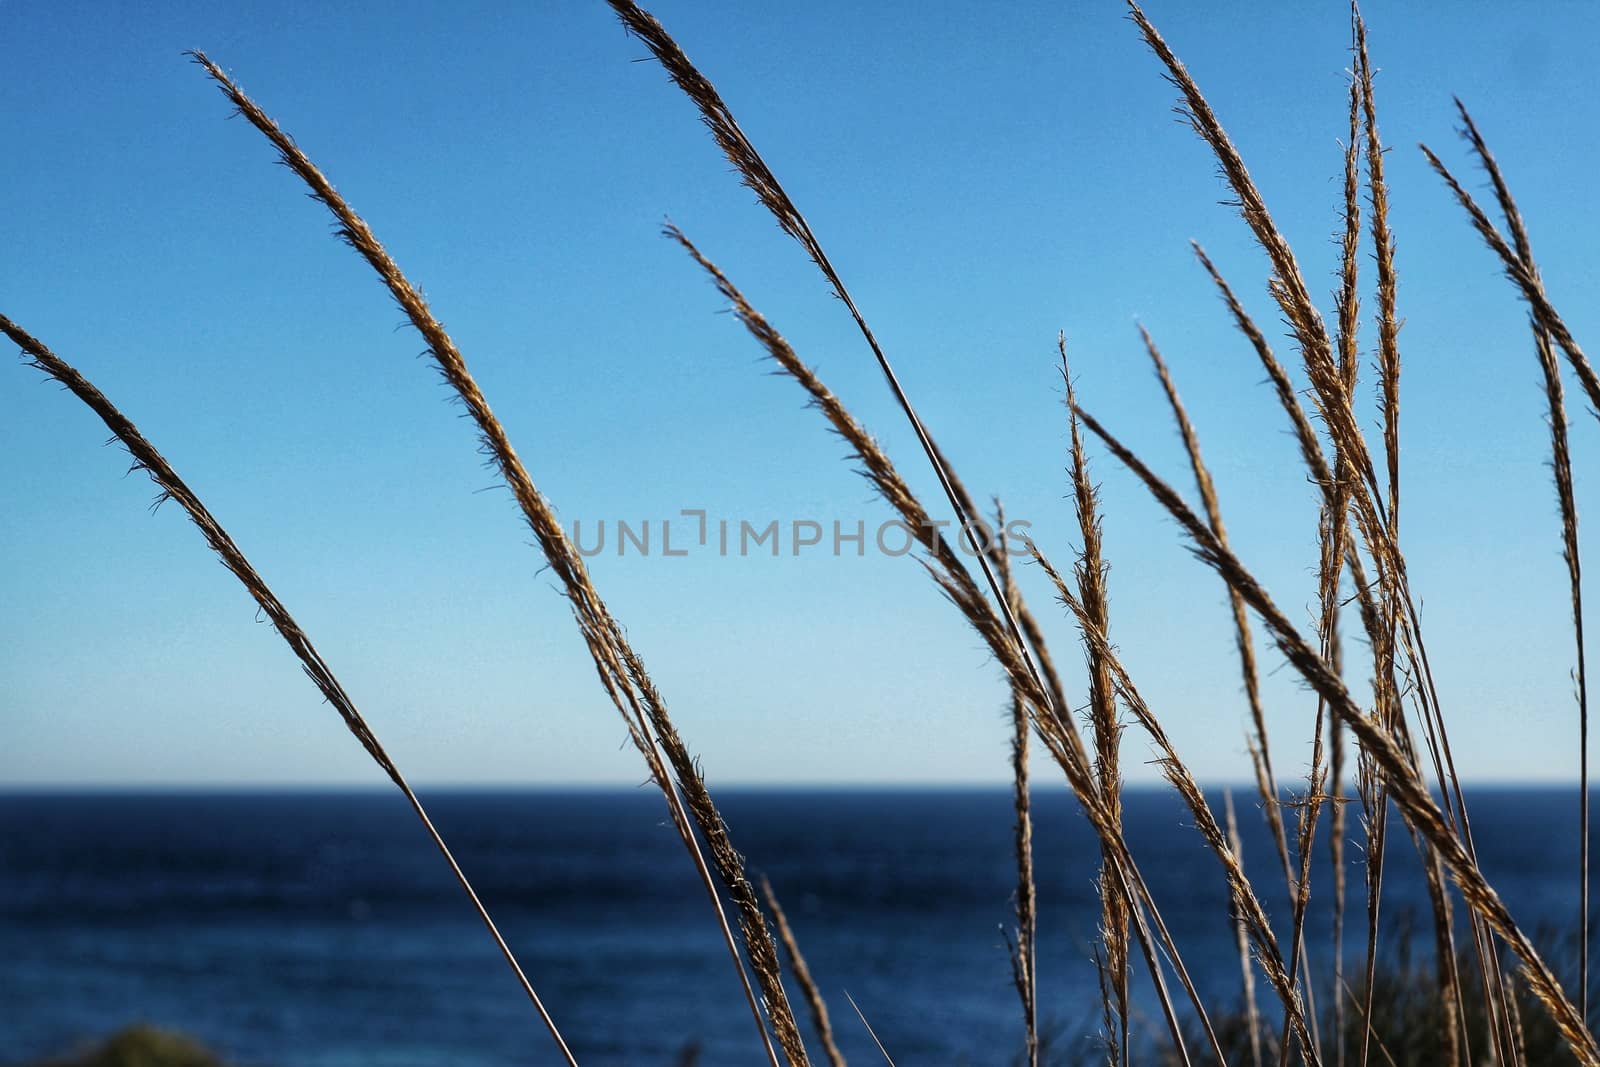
(321, 929)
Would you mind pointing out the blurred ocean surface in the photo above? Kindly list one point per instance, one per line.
(304, 929)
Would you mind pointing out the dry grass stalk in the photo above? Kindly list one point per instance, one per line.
(1247, 973)
(1327, 378)
(1348, 300)
(1333, 393)
(1561, 468)
(1090, 571)
(1024, 953)
(1317, 466)
(1454, 1041)
(1058, 734)
(719, 119)
(1522, 273)
(802, 976)
(1287, 285)
(1375, 811)
(870, 1031)
(1261, 749)
(1108, 1025)
(1300, 892)
(1383, 257)
(622, 672)
(1389, 404)
(942, 560)
(1545, 323)
(1288, 397)
(755, 174)
(1242, 894)
(1368, 1033)
(1516, 1021)
(149, 460)
(1336, 858)
(1334, 534)
(1288, 288)
(1405, 782)
(1336, 495)
(1019, 606)
(1208, 498)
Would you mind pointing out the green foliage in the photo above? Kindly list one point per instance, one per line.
(142, 1046)
(1408, 1017)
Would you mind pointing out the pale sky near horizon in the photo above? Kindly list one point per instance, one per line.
(982, 177)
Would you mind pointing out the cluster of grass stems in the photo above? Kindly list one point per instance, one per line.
(1489, 996)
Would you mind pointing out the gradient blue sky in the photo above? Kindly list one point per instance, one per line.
(983, 176)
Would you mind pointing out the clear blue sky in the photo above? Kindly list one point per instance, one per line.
(983, 176)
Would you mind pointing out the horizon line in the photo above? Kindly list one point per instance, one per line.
(1243, 787)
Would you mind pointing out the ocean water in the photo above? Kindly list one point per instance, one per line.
(322, 930)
